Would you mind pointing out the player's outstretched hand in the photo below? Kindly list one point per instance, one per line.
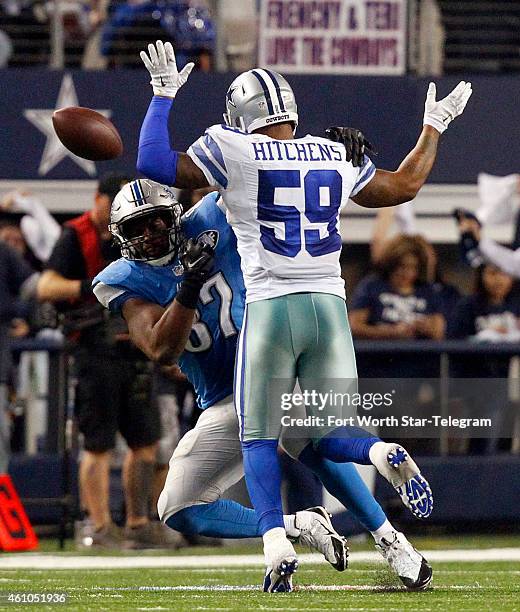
(160, 63)
(355, 143)
(197, 259)
(439, 114)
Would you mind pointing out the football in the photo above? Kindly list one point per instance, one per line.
(87, 133)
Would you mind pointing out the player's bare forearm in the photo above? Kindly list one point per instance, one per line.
(53, 287)
(381, 231)
(383, 331)
(417, 165)
(431, 326)
(393, 188)
(161, 333)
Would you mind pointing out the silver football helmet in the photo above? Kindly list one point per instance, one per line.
(145, 219)
(257, 98)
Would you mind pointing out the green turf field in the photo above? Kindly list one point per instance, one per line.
(205, 583)
(458, 586)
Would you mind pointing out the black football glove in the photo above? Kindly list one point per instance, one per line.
(356, 145)
(460, 213)
(196, 258)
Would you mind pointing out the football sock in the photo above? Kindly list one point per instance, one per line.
(289, 521)
(343, 481)
(385, 530)
(276, 546)
(223, 518)
(263, 480)
(346, 444)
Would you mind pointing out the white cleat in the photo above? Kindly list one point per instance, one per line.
(411, 567)
(281, 564)
(395, 464)
(317, 532)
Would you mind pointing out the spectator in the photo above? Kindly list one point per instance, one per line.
(15, 275)
(97, 16)
(26, 24)
(499, 203)
(192, 32)
(398, 302)
(490, 314)
(134, 24)
(477, 249)
(33, 238)
(404, 217)
(11, 235)
(447, 293)
(38, 231)
(114, 380)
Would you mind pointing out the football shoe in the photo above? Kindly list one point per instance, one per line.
(395, 464)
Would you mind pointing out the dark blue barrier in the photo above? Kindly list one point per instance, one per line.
(388, 109)
(465, 486)
(432, 347)
(467, 490)
(46, 488)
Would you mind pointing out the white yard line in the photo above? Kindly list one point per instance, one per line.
(51, 561)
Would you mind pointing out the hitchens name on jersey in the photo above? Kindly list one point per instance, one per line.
(277, 150)
(388, 421)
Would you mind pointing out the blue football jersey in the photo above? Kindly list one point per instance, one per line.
(209, 357)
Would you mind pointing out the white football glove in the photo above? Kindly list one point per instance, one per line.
(160, 63)
(440, 114)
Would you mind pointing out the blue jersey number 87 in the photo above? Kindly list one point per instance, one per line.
(290, 216)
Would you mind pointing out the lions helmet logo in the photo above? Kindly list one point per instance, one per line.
(209, 237)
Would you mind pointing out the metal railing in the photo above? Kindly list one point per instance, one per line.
(444, 352)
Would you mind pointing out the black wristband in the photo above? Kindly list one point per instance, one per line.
(188, 294)
(86, 288)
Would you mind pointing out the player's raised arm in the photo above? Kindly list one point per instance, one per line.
(392, 188)
(156, 159)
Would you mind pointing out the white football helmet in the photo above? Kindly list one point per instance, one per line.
(134, 212)
(258, 98)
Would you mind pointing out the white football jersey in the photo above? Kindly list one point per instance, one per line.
(283, 199)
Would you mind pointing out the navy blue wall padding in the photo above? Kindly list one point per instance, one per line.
(465, 489)
(40, 476)
(388, 109)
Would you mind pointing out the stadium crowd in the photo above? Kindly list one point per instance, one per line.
(106, 33)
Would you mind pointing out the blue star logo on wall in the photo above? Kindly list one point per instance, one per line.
(54, 151)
